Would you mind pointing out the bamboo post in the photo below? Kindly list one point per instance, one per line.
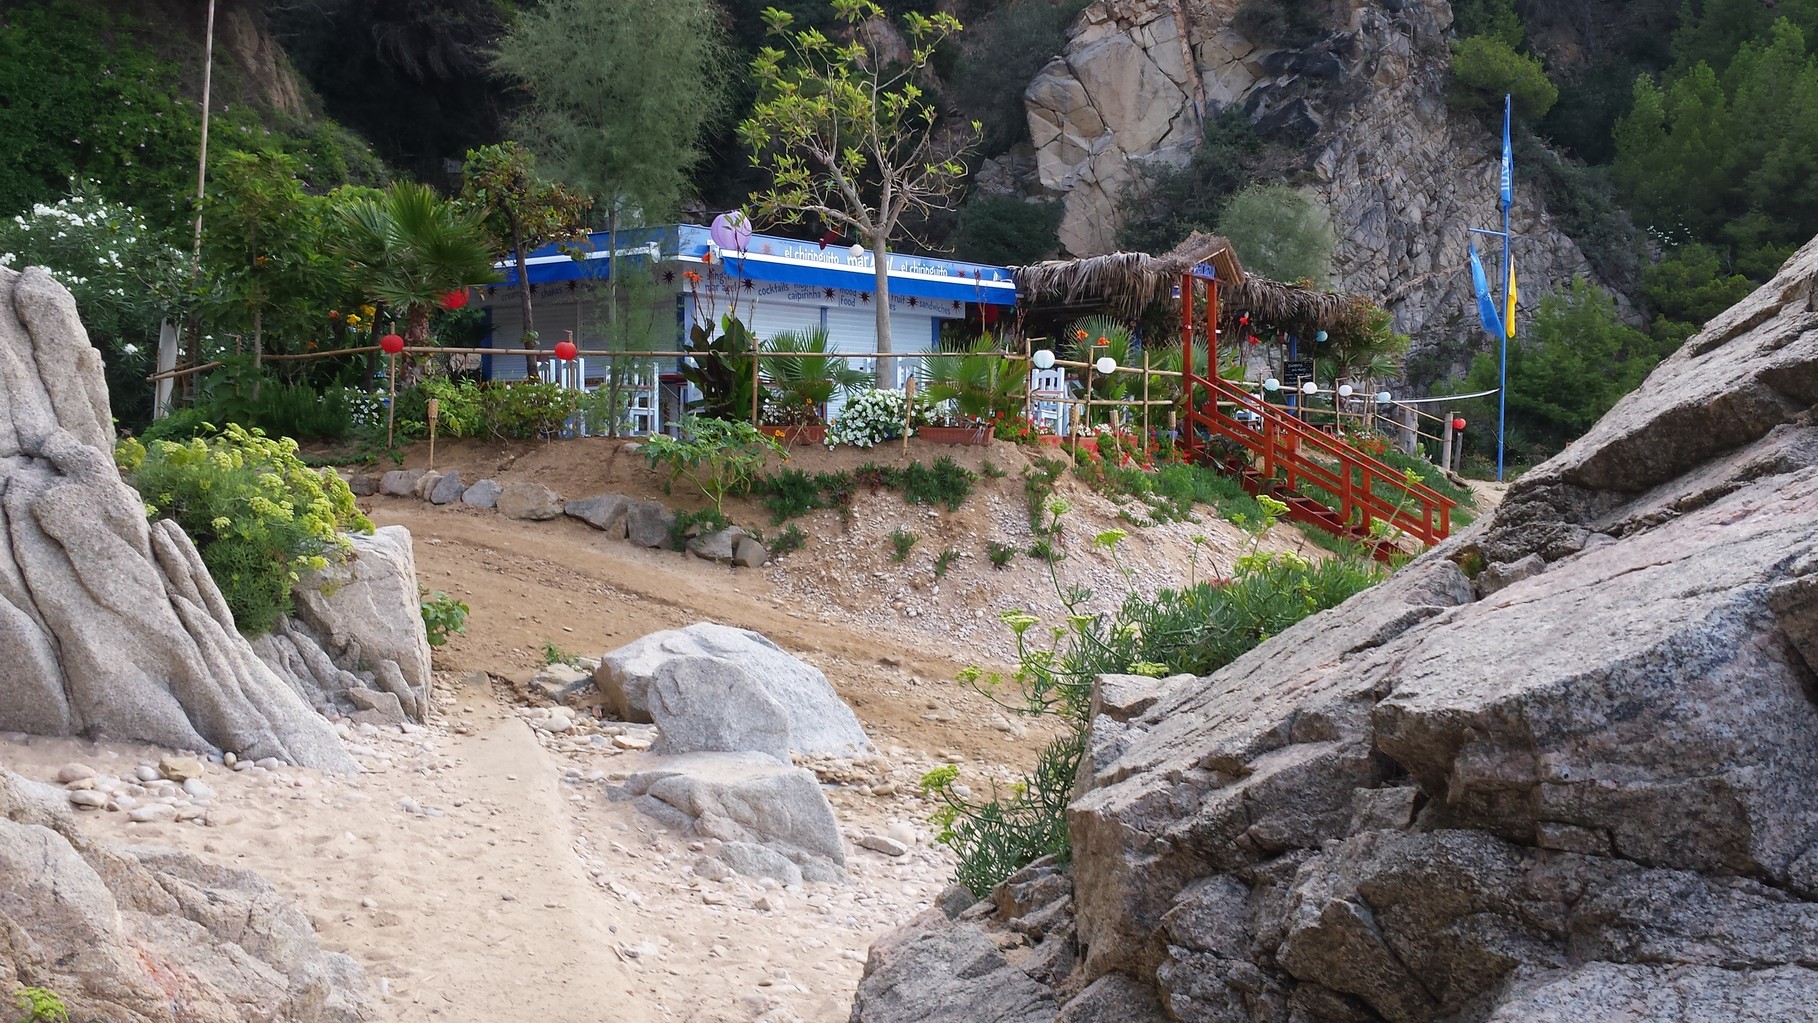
(1089, 368)
(1145, 399)
(434, 411)
(757, 388)
(1445, 446)
(391, 406)
(1028, 379)
(908, 413)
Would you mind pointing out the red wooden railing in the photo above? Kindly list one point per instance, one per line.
(1285, 455)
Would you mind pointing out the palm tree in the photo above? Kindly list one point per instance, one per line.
(407, 247)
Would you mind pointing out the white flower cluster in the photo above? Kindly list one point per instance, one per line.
(364, 408)
(869, 418)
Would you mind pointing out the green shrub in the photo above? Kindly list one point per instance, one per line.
(1486, 67)
(1197, 630)
(945, 483)
(901, 540)
(1005, 230)
(41, 1005)
(1281, 232)
(789, 540)
(707, 520)
(1166, 204)
(179, 425)
(443, 616)
(788, 494)
(257, 514)
(1002, 51)
(999, 553)
(944, 561)
(717, 456)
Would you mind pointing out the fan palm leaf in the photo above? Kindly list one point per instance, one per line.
(407, 247)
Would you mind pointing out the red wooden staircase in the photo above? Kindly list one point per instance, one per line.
(1273, 452)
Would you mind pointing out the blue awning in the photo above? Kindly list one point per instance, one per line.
(770, 258)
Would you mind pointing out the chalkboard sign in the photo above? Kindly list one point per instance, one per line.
(1297, 371)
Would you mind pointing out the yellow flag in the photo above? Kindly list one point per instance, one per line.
(1508, 320)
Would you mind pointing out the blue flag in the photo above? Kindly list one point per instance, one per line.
(1486, 306)
(1508, 158)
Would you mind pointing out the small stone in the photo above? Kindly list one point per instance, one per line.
(152, 813)
(767, 904)
(229, 759)
(369, 903)
(88, 799)
(630, 742)
(901, 832)
(145, 772)
(195, 789)
(81, 783)
(75, 772)
(881, 843)
(712, 869)
(269, 763)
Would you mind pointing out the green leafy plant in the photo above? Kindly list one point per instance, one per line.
(999, 553)
(259, 516)
(717, 456)
(901, 540)
(789, 539)
(1194, 630)
(41, 1005)
(689, 524)
(443, 616)
(946, 483)
(799, 384)
(980, 383)
(1045, 549)
(992, 471)
(1487, 67)
(944, 561)
(553, 654)
(1039, 481)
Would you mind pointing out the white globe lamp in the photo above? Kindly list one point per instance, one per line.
(857, 250)
(1043, 359)
(1271, 384)
(1346, 390)
(1309, 388)
(1106, 365)
(1382, 397)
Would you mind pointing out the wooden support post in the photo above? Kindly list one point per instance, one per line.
(1145, 444)
(757, 388)
(434, 411)
(1445, 446)
(908, 413)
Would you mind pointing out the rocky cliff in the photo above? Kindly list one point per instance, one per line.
(1559, 768)
(1403, 176)
(110, 625)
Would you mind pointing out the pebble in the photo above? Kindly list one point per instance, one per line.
(272, 763)
(902, 832)
(629, 742)
(195, 789)
(767, 904)
(179, 769)
(75, 772)
(152, 812)
(88, 799)
(712, 869)
(146, 772)
(220, 817)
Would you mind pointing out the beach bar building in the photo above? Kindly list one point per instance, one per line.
(773, 284)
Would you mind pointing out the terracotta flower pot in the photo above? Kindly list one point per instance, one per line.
(799, 435)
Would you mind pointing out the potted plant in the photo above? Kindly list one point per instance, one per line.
(970, 389)
(801, 375)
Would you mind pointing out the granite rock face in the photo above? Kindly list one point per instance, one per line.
(109, 624)
(142, 935)
(1402, 175)
(1582, 794)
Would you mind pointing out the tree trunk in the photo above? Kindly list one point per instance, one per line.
(880, 257)
(612, 320)
(258, 348)
(528, 338)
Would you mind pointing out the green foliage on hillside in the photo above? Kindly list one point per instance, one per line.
(1000, 55)
(1576, 362)
(1280, 233)
(1487, 67)
(1006, 230)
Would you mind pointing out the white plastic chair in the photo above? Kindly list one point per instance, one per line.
(1047, 394)
(644, 401)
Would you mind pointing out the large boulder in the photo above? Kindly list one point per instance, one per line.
(109, 624)
(1579, 791)
(707, 705)
(532, 501)
(761, 817)
(367, 615)
(143, 935)
(819, 721)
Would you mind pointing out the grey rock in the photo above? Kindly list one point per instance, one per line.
(532, 501)
(717, 546)
(754, 860)
(748, 553)
(1502, 575)
(940, 970)
(1113, 998)
(366, 615)
(400, 482)
(425, 484)
(647, 523)
(744, 798)
(819, 721)
(152, 813)
(605, 512)
(380, 708)
(448, 489)
(483, 494)
(557, 682)
(708, 705)
(363, 484)
(1583, 795)
(882, 843)
(109, 624)
(107, 927)
(88, 799)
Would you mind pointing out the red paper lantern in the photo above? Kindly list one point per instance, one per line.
(1458, 424)
(391, 344)
(565, 350)
(454, 299)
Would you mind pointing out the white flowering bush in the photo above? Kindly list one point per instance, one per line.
(123, 276)
(365, 409)
(868, 418)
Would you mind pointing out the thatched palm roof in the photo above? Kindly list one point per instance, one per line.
(1126, 282)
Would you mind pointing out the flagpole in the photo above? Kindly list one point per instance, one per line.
(1502, 381)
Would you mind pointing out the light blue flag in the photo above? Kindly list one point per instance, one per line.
(1508, 158)
(1486, 306)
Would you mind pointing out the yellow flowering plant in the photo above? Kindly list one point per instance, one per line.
(259, 516)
